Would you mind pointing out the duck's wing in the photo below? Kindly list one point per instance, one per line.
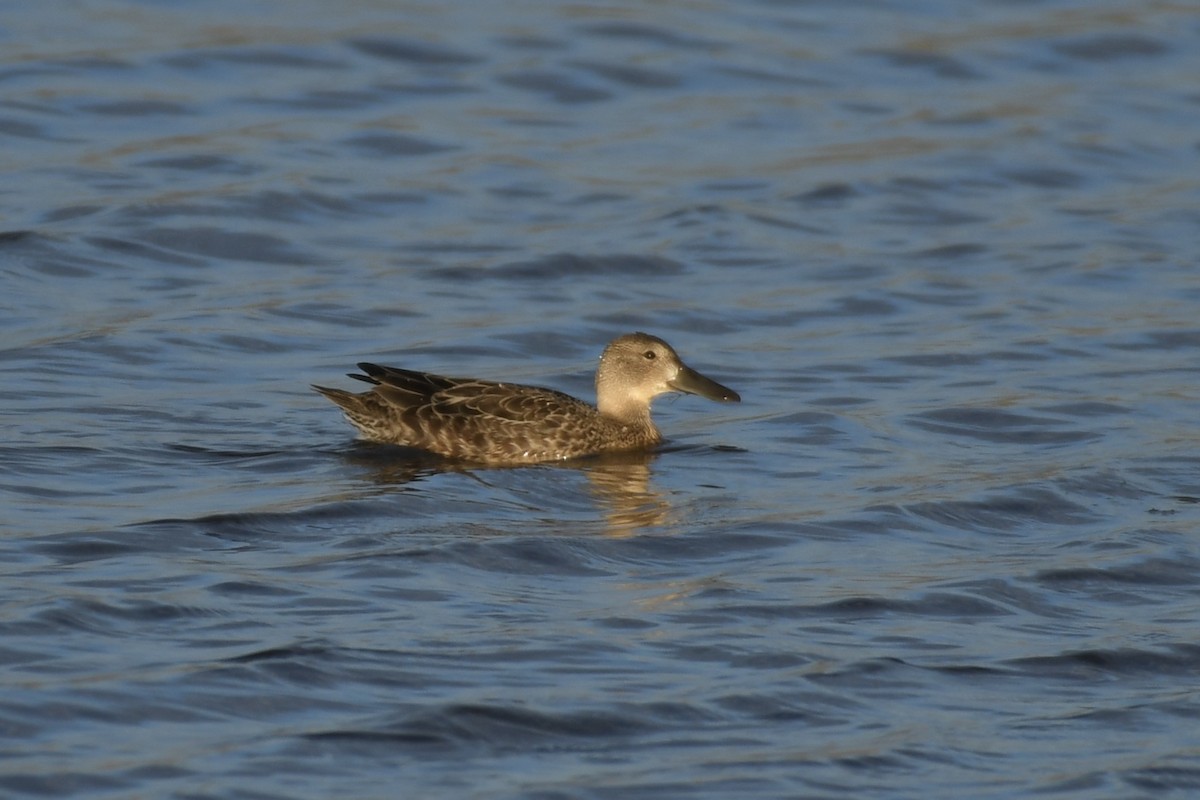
(510, 402)
(404, 383)
(435, 395)
(442, 395)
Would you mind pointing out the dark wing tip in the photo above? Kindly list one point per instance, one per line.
(373, 372)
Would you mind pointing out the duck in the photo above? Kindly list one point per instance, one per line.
(499, 423)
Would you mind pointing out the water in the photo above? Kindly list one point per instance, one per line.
(945, 547)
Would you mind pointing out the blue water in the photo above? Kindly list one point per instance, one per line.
(946, 546)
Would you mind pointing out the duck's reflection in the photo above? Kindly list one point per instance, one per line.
(619, 483)
(390, 465)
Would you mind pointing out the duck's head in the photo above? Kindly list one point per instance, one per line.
(637, 367)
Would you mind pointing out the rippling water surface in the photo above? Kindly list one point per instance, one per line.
(946, 546)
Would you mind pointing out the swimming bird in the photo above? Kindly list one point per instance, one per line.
(507, 423)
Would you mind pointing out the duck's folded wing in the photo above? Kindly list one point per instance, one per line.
(506, 401)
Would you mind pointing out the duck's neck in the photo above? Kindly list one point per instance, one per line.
(631, 415)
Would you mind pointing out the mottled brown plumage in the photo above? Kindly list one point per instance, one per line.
(506, 423)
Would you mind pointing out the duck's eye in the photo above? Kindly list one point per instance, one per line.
(650, 355)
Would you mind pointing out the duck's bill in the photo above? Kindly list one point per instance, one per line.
(692, 382)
